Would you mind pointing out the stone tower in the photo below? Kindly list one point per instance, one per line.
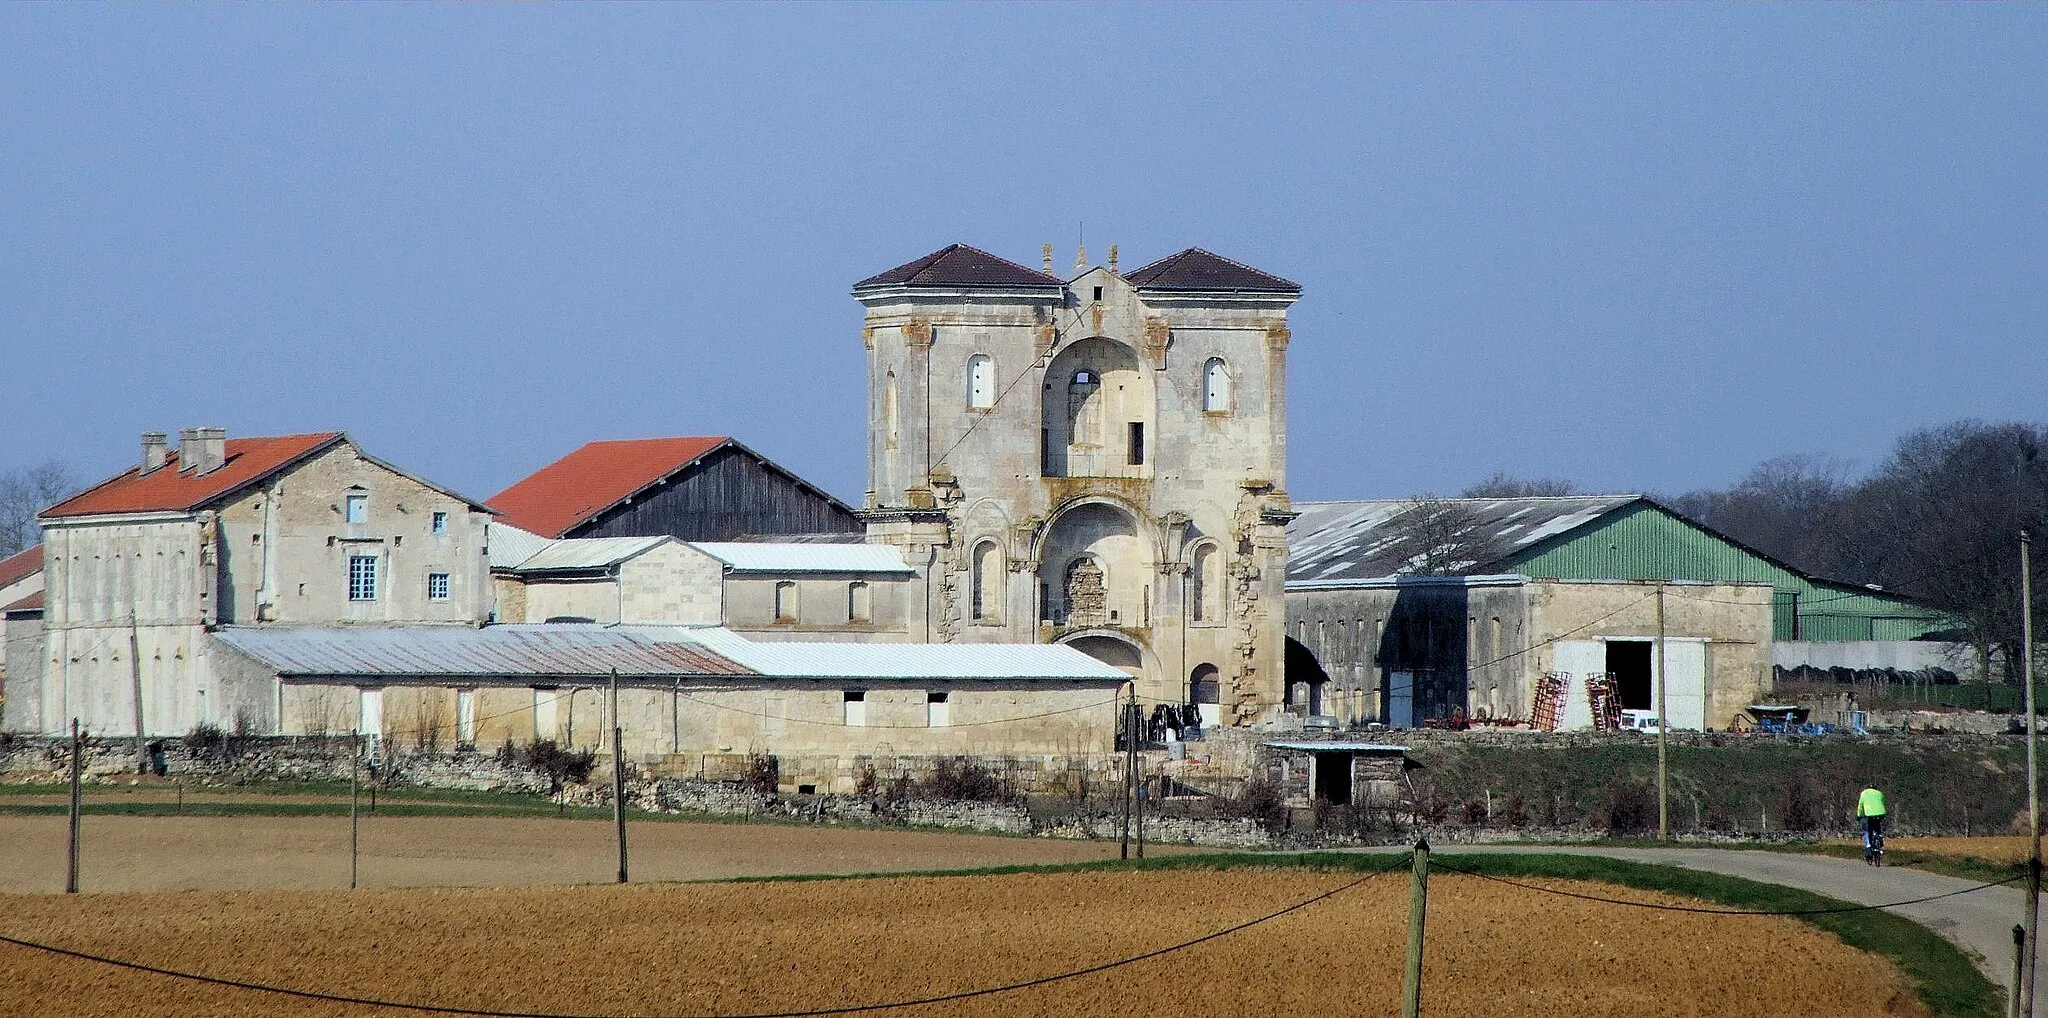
(1099, 461)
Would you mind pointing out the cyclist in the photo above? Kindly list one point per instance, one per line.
(1870, 808)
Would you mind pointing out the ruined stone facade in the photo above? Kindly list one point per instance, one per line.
(1099, 461)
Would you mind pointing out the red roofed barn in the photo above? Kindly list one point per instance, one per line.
(707, 488)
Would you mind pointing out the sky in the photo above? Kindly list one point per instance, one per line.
(1639, 247)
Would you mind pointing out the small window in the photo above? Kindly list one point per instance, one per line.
(362, 577)
(860, 604)
(856, 708)
(440, 523)
(785, 600)
(938, 711)
(1137, 457)
(437, 586)
(1215, 386)
(1206, 582)
(981, 382)
(358, 508)
(465, 716)
(1098, 295)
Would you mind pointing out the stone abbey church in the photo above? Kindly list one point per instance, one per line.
(1098, 461)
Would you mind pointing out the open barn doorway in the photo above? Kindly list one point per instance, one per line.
(1333, 778)
(1628, 667)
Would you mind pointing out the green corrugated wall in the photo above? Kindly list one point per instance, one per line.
(1642, 542)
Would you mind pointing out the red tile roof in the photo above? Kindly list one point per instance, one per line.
(959, 265)
(1198, 271)
(165, 489)
(20, 565)
(590, 480)
(33, 602)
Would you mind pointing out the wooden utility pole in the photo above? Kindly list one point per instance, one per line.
(1418, 910)
(2019, 970)
(135, 681)
(1663, 727)
(1138, 797)
(77, 776)
(618, 777)
(1124, 712)
(2033, 775)
(355, 770)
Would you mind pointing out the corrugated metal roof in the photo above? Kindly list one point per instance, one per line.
(511, 651)
(584, 553)
(911, 661)
(1378, 538)
(795, 557)
(510, 545)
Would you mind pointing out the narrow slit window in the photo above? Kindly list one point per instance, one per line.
(1137, 457)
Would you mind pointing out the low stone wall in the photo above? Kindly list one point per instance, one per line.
(242, 759)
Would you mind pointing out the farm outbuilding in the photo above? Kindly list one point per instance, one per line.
(1335, 772)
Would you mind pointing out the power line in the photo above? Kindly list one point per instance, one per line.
(339, 998)
(1434, 864)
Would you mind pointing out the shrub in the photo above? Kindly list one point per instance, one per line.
(864, 784)
(562, 767)
(965, 780)
(1631, 808)
(764, 774)
(207, 741)
(1258, 800)
(1516, 812)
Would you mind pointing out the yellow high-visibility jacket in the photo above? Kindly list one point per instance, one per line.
(1870, 803)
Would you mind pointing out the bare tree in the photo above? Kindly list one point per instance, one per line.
(1783, 507)
(25, 492)
(1505, 485)
(1438, 537)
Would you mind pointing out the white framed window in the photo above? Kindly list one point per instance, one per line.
(1215, 386)
(938, 709)
(856, 701)
(785, 600)
(981, 381)
(465, 716)
(370, 711)
(358, 508)
(860, 603)
(437, 586)
(438, 523)
(362, 577)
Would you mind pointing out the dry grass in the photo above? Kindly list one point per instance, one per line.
(736, 948)
(1994, 850)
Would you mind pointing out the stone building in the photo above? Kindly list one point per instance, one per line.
(292, 530)
(1098, 461)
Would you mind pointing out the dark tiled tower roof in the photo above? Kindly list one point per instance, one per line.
(959, 265)
(1199, 271)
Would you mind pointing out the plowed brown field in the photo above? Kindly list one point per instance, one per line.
(719, 949)
(300, 853)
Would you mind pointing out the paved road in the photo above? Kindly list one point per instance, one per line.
(1980, 921)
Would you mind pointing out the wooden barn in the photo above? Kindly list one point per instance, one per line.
(705, 488)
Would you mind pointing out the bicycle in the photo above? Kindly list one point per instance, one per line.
(1873, 844)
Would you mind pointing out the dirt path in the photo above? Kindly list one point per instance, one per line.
(125, 853)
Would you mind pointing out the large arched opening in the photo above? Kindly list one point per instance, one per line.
(1097, 413)
(1095, 569)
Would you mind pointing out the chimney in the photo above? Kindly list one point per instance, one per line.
(153, 450)
(1048, 259)
(1112, 258)
(202, 450)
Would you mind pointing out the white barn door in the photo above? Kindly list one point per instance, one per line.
(1686, 696)
(1578, 659)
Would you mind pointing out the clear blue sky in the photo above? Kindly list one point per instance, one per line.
(1642, 247)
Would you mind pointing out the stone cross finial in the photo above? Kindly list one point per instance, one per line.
(1048, 259)
(1112, 258)
(1081, 259)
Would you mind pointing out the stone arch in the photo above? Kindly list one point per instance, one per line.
(1097, 413)
(1110, 648)
(1108, 537)
(1206, 581)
